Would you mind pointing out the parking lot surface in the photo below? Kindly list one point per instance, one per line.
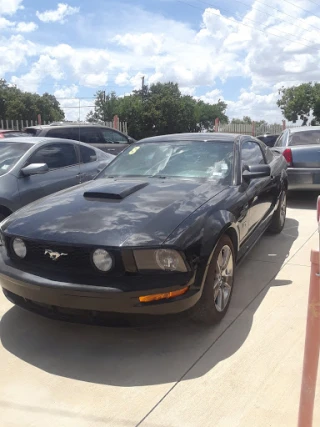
(244, 372)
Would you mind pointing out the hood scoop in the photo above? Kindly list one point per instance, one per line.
(114, 191)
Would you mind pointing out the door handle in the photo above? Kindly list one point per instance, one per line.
(111, 149)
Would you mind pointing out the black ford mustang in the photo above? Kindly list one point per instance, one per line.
(159, 231)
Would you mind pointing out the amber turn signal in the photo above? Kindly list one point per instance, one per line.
(167, 295)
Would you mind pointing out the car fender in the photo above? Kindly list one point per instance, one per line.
(199, 234)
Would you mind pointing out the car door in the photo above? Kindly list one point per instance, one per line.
(115, 141)
(260, 191)
(92, 163)
(64, 171)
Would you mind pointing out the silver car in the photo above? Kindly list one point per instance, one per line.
(32, 168)
(300, 147)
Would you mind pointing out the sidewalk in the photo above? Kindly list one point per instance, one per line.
(245, 372)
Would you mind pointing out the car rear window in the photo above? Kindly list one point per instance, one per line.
(305, 138)
(32, 131)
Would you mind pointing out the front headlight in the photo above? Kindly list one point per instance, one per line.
(19, 248)
(102, 260)
(160, 259)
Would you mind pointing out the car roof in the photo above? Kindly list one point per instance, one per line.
(70, 125)
(303, 129)
(200, 136)
(35, 140)
(10, 130)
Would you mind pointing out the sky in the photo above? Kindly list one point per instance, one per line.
(239, 51)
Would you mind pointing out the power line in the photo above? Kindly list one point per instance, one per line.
(252, 20)
(249, 26)
(284, 13)
(311, 1)
(305, 10)
(270, 14)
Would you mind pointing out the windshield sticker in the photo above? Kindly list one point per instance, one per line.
(134, 150)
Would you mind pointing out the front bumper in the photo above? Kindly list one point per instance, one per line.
(38, 293)
(304, 178)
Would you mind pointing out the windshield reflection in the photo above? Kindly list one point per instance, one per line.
(182, 159)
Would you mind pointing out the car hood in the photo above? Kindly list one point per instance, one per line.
(112, 212)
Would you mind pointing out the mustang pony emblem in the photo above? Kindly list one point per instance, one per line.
(54, 255)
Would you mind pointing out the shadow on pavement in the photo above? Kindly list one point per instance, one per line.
(158, 353)
(303, 199)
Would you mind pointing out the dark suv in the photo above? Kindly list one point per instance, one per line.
(105, 138)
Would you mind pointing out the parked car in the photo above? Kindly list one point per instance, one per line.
(9, 133)
(301, 148)
(105, 138)
(268, 139)
(160, 230)
(31, 168)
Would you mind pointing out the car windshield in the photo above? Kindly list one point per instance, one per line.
(305, 137)
(10, 154)
(183, 159)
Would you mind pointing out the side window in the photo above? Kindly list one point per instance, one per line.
(282, 140)
(251, 154)
(64, 133)
(279, 140)
(91, 136)
(55, 156)
(87, 155)
(112, 137)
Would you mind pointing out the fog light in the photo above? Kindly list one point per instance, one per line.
(167, 295)
(19, 248)
(102, 260)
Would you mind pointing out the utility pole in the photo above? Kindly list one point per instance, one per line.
(142, 78)
(104, 107)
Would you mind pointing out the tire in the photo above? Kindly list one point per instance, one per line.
(2, 217)
(211, 308)
(279, 217)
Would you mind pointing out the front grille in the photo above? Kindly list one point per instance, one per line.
(76, 261)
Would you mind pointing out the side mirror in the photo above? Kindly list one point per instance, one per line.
(35, 169)
(131, 140)
(256, 171)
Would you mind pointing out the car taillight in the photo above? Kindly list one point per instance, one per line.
(287, 154)
(1, 135)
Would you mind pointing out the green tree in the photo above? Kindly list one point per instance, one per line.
(159, 109)
(299, 102)
(16, 104)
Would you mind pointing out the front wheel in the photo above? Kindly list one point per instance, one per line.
(279, 217)
(218, 286)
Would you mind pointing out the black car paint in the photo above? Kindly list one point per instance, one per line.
(187, 214)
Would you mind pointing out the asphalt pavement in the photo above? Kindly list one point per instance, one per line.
(244, 372)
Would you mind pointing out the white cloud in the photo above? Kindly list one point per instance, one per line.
(14, 52)
(10, 7)
(73, 107)
(162, 49)
(41, 69)
(122, 79)
(212, 97)
(141, 44)
(258, 107)
(57, 15)
(20, 27)
(5, 23)
(26, 27)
